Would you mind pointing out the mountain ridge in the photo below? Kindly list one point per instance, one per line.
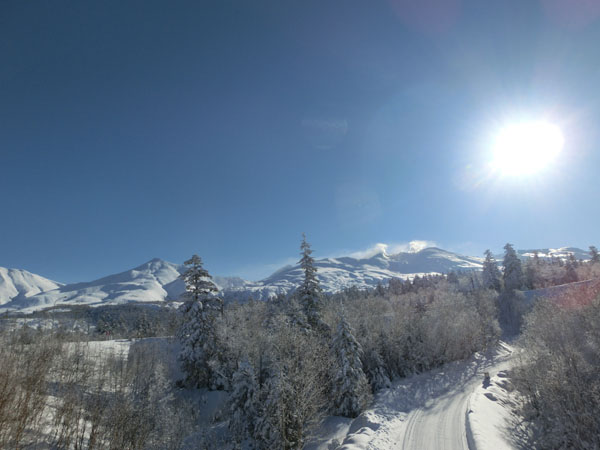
(159, 281)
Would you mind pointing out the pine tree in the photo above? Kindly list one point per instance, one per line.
(570, 272)
(199, 347)
(594, 255)
(269, 421)
(350, 387)
(513, 272)
(375, 371)
(310, 293)
(530, 274)
(452, 277)
(243, 402)
(491, 273)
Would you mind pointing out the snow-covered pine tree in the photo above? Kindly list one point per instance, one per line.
(350, 391)
(513, 272)
(375, 371)
(243, 402)
(309, 292)
(491, 273)
(197, 333)
(269, 420)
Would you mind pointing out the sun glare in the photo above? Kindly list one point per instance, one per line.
(526, 148)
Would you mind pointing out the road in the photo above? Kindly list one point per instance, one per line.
(426, 411)
(440, 424)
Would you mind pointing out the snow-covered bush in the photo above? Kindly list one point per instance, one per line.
(558, 373)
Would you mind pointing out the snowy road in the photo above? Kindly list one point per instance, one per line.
(440, 424)
(426, 411)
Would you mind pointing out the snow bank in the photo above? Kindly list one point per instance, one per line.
(490, 414)
(428, 410)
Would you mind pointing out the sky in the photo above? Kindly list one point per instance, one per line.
(141, 129)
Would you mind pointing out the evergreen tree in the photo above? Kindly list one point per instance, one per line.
(269, 420)
(570, 272)
(452, 277)
(491, 273)
(513, 271)
(199, 347)
(571, 258)
(375, 371)
(530, 274)
(242, 402)
(310, 293)
(594, 255)
(350, 387)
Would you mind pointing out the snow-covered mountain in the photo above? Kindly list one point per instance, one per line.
(547, 253)
(562, 253)
(156, 280)
(19, 284)
(344, 272)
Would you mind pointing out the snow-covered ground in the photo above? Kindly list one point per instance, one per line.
(489, 414)
(430, 410)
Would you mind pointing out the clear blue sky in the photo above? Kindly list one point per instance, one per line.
(136, 129)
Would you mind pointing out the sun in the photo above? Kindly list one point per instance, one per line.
(526, 148)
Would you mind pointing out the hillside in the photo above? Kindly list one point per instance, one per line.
(17, 284)
(158, 280)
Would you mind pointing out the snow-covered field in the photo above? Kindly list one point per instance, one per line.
(445, 408)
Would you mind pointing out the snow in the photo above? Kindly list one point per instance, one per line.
(489, 414)
(547, 253)
(153, 281)
(16, 283)
(158, 280)
(332, 428)
(429, 410)
(344, 272)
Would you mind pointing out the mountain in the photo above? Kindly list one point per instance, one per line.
(344, 272)
(20, 284)
(562, 253)
(156, 280)
(547, 253)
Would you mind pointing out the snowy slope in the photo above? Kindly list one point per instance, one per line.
(18, 284)
(546, 253)
(156, 280)
(344, 272)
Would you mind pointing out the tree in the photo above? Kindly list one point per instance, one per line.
(513, 272)
(199, 346)
(242, 402)
(350, 387)
(491, 273)
(310, 293)
(594, 255)
(293, 398)
(570, 272)
(453, 277)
